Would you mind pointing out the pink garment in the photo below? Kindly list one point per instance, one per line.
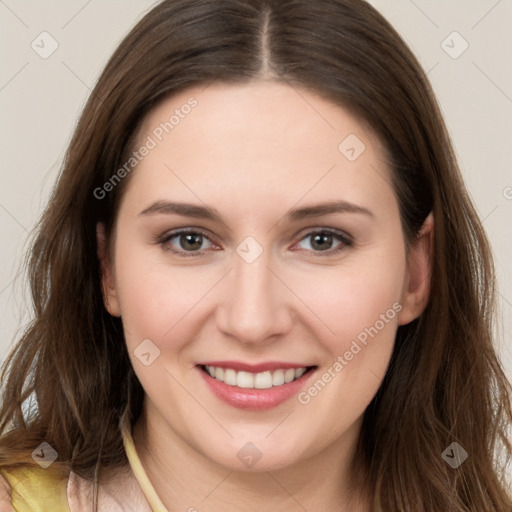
(122, 494)
(128, 488)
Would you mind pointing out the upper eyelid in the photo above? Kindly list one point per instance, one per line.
(344, 237)
(171, 234)
(310, 231)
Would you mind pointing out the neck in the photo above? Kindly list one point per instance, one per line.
(187, 480)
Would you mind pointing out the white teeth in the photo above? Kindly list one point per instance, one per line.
(299, 372)
(289, 375)
(278, 378)
(262, 380)
(245, 380)
(229, 377)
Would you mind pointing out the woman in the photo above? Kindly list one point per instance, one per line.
(260, 282)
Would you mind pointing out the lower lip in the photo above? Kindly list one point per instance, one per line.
(254, 399)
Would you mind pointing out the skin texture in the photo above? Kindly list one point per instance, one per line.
(253, 152)
(5, 496)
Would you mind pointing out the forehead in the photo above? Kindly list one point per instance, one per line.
(266, 140)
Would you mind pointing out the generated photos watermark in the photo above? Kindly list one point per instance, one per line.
(361, 341)
(151, 142)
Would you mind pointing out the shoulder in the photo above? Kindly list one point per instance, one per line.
(34, 489)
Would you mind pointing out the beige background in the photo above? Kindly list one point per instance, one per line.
(40, 99)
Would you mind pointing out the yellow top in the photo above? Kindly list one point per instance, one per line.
(35, 489)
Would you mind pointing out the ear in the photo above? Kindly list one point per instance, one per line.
(416, 289)
(108, 287)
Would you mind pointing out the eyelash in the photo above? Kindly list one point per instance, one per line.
(345, 240)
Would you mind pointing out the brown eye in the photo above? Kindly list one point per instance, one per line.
(324, 241)
(321, 241)
(191, 241)
(186, 241)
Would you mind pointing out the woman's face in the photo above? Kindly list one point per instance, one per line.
(294, 259)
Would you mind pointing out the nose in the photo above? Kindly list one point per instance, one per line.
(254, 307)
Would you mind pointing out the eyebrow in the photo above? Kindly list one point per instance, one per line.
(207, 212)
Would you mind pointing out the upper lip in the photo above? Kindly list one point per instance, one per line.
(240, 366)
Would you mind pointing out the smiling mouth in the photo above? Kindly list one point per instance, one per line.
(261, 380)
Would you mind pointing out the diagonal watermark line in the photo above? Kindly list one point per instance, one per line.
(75, 15)
(433, 67)
(76, 75)
(490, 213)
(229, 229)
(370, 370)
(502, 296)
(13, 13)
(8, 284)
(310, 105)
(20, 271)
(199, 403)
(305, 194)
(14, 76)
(280, 423)
(212, 81)
(382, 176)
(492, 81)
(301, 300)
(286, 490)
(486, 14)
(198, 301)
(13, 218)
(424, 13)
(216, 487)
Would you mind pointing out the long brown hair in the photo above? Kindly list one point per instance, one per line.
(444, 383)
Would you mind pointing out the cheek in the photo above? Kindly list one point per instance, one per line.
(361, 312)
(157, 300)
(360, 296)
